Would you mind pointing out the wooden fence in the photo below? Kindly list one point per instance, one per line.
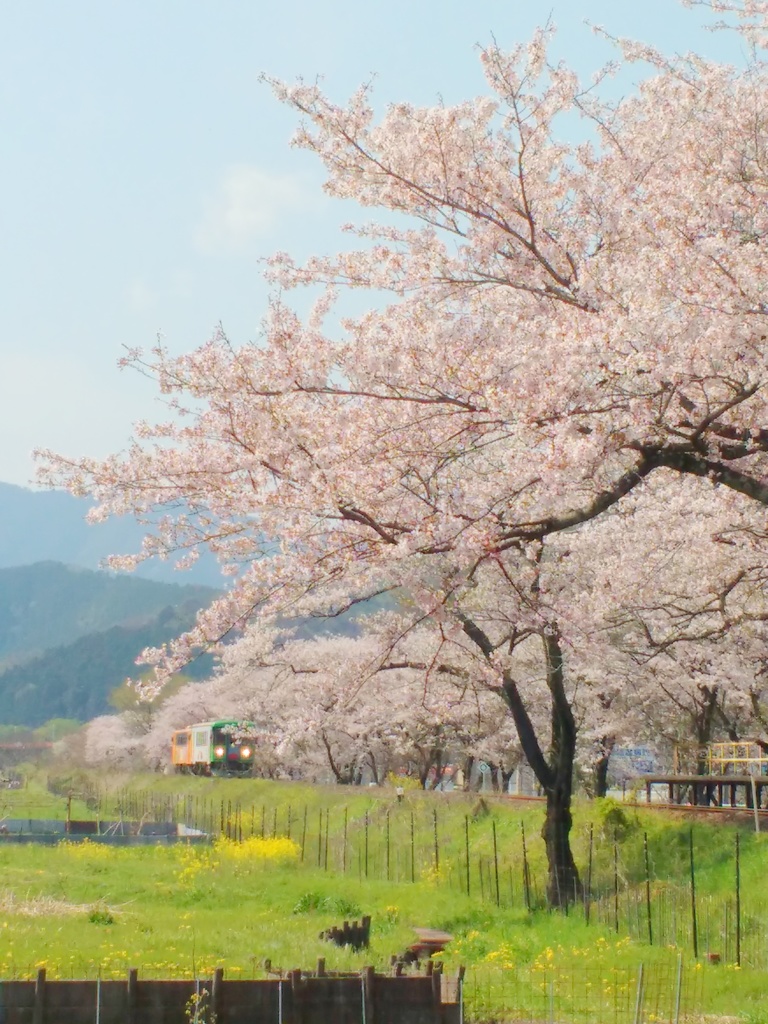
(367, 998)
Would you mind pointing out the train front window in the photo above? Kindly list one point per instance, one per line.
(181, 739)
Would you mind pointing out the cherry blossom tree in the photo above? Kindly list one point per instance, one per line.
(112, 742)
(562, 325)
(688, 625)
(316, 720)
(354, 705)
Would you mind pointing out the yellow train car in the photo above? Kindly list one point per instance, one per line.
(224, 747)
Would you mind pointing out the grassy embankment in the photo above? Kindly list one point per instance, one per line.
(80, 910)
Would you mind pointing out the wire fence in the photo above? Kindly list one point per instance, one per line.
(636, 884)
(647, 994)
(572, 994)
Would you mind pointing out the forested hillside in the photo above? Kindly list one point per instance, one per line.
(74, 681)
(68, 636)
(51, 605)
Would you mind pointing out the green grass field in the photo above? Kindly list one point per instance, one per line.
(82, 910)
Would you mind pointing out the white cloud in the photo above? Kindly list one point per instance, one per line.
(248, 204)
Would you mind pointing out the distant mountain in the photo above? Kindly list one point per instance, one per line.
(70, 634)
(49, 605)
(75, 681)
(40, 526)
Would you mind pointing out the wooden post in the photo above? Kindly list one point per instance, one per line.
(297, 996)
(38, 1010)
(132, 997)
(369, 1001)
(437, 993)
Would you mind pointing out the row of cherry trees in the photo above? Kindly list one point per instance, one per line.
(546, 440)
(315, 721)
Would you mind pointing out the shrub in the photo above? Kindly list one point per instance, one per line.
(309, 902)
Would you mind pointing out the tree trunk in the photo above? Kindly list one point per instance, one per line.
(469, 764)
(373, 766)
(704, 724)
(563, 883)
(553, 772)
(437, 764)
(338, 773)
(600, 784)
(506, 778)
(600, 774)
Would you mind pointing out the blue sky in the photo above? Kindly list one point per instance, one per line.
(145, 171)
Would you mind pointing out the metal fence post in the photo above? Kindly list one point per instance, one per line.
(678, 988)
(639, 996)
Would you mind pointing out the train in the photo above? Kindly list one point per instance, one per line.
(226, 747)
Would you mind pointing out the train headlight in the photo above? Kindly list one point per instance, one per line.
(219, 751)
(245, 751)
